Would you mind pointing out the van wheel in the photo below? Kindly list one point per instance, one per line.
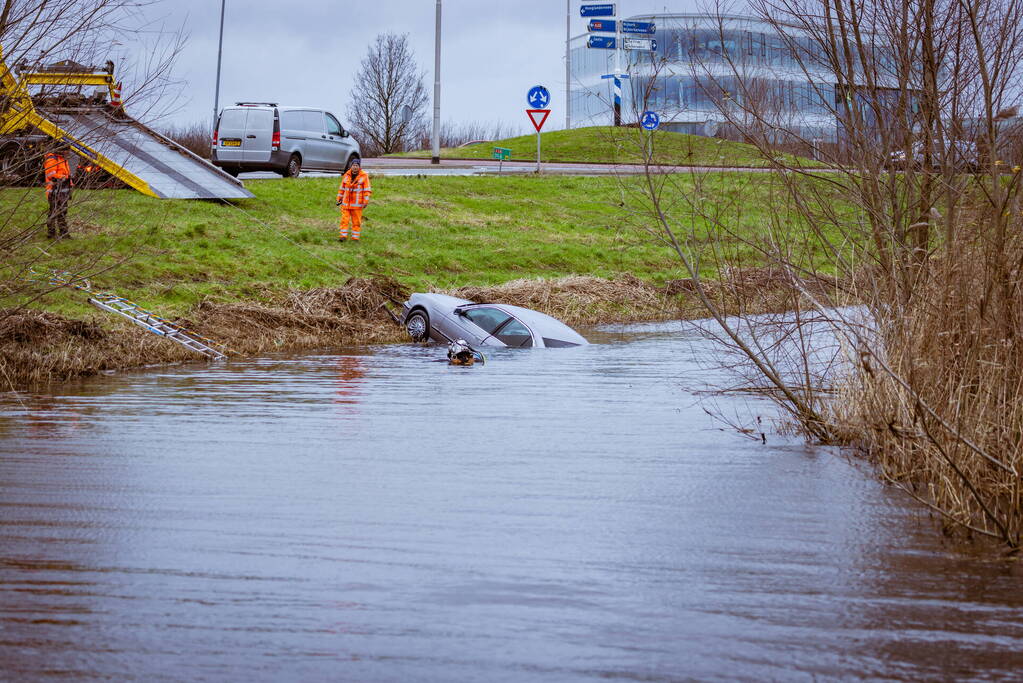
(294, 167)
(233, 172)
(354, 157)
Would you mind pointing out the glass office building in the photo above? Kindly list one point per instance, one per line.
(703, 66)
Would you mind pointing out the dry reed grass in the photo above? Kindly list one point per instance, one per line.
(578, 299)
(581, 299)
(941, 408)
(39, 348)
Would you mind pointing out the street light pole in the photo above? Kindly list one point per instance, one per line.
(436, 90)
(220, 51)
(568, 64)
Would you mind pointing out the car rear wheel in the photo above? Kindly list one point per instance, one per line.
(417, 324)
(294, 167)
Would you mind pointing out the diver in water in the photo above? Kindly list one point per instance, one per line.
(460, 353)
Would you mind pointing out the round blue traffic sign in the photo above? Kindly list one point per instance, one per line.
(538, 97)
(650, 120)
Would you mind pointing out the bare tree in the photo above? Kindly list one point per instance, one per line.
(76, 33)
(919, 219)
(389, 98)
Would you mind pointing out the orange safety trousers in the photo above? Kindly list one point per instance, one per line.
(351, 217)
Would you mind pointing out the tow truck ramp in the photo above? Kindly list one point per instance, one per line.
(167, 169)
(99, 130)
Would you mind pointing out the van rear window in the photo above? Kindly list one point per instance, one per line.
(233, 119)
(260, 120)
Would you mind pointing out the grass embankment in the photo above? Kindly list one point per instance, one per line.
(269, 273)
(607, 144)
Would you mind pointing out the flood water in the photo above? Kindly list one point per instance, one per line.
(554, 515)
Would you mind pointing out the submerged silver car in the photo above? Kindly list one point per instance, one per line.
(447, 318)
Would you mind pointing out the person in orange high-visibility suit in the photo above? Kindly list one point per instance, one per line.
(58, 192)
(352, 197)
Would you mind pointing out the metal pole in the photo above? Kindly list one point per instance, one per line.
(537, 151)
(220, 52)
(618, 72)
(568, 64)
(436, 91)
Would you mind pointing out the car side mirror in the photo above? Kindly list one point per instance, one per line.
(344, 133)
(459, 311)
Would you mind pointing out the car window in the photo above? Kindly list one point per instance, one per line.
(313, 121)
(514, 333)
(260, 120)
(292, 120)
(333, 127)
(233, 119)
(557, 343)
(487, 318)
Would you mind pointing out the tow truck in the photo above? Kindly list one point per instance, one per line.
(46, 106)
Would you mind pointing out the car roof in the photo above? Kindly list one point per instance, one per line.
(279, 107)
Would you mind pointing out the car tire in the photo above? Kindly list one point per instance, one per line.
(354, 157)
(294, 167)
(233, 172)
(417, 324)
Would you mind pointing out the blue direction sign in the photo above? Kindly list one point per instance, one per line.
(604, 25)
(650, 120)
(637, 27)
(538, 97)
(605, 10)
(639, 43)
(602, 42)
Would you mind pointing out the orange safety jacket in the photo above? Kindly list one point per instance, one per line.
(55, 168)
(354, 194)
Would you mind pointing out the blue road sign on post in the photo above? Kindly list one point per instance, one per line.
(650, 120)
(639, 43)
(603, 25)
(538, 97)
(637, 27)
(601, 42)
(605, 10)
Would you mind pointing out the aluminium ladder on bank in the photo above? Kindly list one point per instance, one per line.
(146, 319)
(157, 325)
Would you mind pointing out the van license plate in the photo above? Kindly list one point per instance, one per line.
(231, 143)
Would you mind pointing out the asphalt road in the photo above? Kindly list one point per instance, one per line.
(404, 166)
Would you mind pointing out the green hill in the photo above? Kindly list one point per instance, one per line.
(607, 144)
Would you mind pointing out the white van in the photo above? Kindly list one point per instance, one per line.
(262, 136)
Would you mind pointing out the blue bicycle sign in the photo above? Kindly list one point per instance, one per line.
(650, 120)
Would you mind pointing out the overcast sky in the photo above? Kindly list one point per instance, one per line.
(306, 52)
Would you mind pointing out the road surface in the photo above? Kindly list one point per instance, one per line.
(406, 166)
